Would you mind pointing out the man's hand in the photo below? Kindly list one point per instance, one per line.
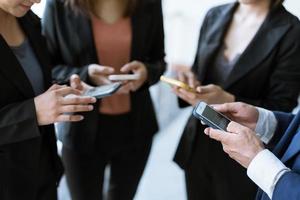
(241, 113)
(240, 142)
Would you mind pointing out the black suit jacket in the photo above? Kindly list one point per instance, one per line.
(72, 48)
(21, 138)
(267, 73)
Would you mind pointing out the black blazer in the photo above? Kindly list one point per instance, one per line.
(267, 73)
(21, 138)
(72, 49)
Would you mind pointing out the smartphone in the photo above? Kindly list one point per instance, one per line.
(123, 77)
(211, 117)
(103, 90)
(175, 82)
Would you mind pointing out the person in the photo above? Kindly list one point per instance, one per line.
(277, 173)
(248, 51)
(95, 39)
(30, 168)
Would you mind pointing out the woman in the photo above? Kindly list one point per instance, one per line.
(29, 165)
(248, 51)
(95, 39)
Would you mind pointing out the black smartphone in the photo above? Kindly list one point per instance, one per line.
(211, 117)
(103, 90)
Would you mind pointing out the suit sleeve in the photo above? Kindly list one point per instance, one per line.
(288, 186)
(283, 121)
(155, 63)
(60, 72)
(284, 84)
(18, 122)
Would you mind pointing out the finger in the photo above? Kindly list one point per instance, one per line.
(205, 89)
(76, 108)
(181, 77)
(75, 82)
(190, 95)
(129, 67)
(78, 100)
(67, 90)
(236, 128)
(55, 87)
(102, 70)
(191, 79)
(218, 135)
(226, 107)
(69, 118)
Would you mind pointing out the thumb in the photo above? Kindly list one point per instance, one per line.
(216, 134)
(75, 82)
(129, 67)
(203, 89)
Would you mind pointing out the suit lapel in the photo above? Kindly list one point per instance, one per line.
(13, 70)
(267, 37)
(214, 39)
(287, 147)
(293, 148)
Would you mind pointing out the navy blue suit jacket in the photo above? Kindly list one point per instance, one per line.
(287, 139)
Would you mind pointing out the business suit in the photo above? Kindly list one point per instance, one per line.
(29, 165)
(266, 74)
(72, 46)
(288, 150)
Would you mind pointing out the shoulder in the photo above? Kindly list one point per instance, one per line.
(221, 10)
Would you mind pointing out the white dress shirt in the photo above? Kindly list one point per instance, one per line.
(266, 169)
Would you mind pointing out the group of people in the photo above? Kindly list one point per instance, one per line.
(248, 51)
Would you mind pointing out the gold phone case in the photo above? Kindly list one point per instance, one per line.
(177, 83)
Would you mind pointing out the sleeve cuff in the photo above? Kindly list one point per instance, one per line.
(266, 125)
(265, 170)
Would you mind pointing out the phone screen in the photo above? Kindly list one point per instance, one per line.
(215, 118)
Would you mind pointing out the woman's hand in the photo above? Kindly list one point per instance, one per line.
(211, 94)
(99, 74)
(137, 68)
(53, 105)
(78, 84)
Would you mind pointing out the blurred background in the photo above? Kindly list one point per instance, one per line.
(162, 179)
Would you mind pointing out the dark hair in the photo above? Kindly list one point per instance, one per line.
(88, 6)
(276, 2)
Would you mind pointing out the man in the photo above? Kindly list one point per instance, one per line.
(278, 173)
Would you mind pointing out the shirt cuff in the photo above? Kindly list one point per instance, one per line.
(266, 125)
(265, 170)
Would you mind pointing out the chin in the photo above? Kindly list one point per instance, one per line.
(247, 1)
(19, 12)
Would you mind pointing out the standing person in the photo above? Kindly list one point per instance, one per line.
(29, 165)
(248, 51)
(95, 39)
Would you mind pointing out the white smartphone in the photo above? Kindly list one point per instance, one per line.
(211, 117)
(103, 90)
(123, 77)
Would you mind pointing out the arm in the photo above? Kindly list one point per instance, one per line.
(288, 187)
(60, 71)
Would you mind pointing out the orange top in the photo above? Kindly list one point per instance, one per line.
(113, 45)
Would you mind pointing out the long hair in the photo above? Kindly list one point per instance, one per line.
(88, 6)
(275, 3)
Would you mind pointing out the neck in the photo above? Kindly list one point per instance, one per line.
(259, 8)
(110, 10)
(6, 20)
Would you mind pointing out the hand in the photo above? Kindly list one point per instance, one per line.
(241, 113)
(78, 84)
(52, 105)
(138, 68)
(99, 74)
(184, 74)
(214, 94)
(240, 143)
